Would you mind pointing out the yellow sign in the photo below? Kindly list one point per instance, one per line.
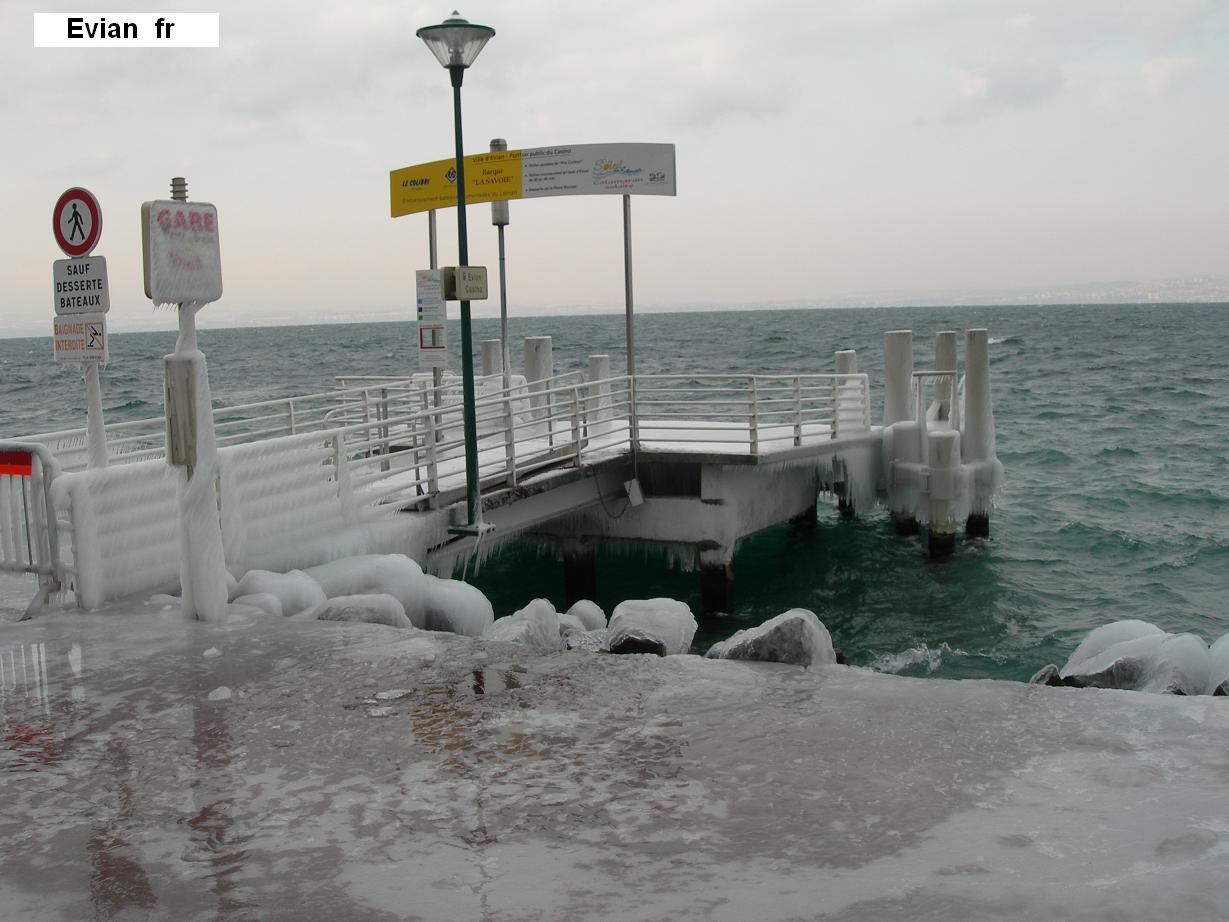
(490, 177)
(578, 169)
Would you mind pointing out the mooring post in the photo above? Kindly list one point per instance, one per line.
(492, 357)
(539, 368)
(943, 458)
(846, 364)
(597, 405)
(978, 424)
(897, 384)
(579, 570)
(945, 360)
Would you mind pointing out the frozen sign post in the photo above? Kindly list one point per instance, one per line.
(81, 302)
(183, 268)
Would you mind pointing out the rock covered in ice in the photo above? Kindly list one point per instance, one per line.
(456, 606)
(373, 608)
(536, 626)
(1107, 635)
(797, 637)
(296, 590)
(589, 613)
(662, 626)
(1137, 656)
(430, 602)
(570, 624)
(264, 601)
(1218, 656)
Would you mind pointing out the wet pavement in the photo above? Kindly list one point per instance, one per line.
(153, 768)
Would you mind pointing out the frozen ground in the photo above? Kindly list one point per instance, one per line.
(269, 769)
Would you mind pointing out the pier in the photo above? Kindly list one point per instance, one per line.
(691, 464)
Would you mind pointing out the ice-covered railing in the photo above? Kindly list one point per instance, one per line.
(29, 539)
(755, 413)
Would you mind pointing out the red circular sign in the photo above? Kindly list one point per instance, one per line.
(77, 222)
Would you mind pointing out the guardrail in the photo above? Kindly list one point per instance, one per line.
(29, 537)
(403, 442)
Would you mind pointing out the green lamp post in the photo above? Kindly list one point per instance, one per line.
(455, 43)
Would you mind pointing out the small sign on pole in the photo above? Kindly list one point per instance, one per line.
(182, 257)
(81, 338)
(80, 285)
(432, 319)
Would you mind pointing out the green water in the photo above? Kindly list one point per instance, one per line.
(1112, 422)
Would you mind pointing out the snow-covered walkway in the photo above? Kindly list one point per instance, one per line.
(268, 769)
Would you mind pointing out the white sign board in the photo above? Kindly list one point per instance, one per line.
(183, 261)
(432, 319)
(80, 286)
(81, 338)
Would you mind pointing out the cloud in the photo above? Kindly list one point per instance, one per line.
(1161, 76)
(983, 90)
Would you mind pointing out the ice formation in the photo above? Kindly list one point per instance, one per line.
(589, 613)
(295, 590)
(1137, 656)
(1218, 655)
(662, 626)
(536, 626)
(265, 601)
(374, 608)
(796, 636)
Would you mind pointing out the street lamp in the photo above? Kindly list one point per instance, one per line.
(455, 44)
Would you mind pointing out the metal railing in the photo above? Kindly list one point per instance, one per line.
(402, 440)
(29, 537)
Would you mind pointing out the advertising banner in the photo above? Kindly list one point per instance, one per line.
(579, 169)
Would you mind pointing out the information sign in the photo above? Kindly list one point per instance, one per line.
(182, 258)
(81, 338)
(76, 222)
(578, 169)
(432, 319)
(80, 286)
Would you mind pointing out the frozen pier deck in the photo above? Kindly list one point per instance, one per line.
(692, 463)
(157, 768)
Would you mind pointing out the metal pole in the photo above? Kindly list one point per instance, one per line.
(500, 218)
(95, 431)
(467, 347)
(437, 373)
(627, 283)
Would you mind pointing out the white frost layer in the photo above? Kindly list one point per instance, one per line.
(296, 590)
(1149, 660)
(796, 636)
(590, 614)
(265, 601)
(1218, 655)
(429, 602)
(536, 626)
(668, 622)
(376, 608)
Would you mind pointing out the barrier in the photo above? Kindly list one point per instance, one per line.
(29, 537)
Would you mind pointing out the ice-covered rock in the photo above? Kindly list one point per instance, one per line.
(796, 636)
(662, 626)
(589, 613)
(1218, 656)
(1107, 635)
(570, 624)
(295, 590)
(372, 608)
(456, 606)
(1138, 656)
(536, 626)
(265, 601)
(394, 574)
(429, 602)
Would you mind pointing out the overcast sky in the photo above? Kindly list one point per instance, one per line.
(825, 149)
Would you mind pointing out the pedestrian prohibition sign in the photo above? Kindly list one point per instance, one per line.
(77, 222)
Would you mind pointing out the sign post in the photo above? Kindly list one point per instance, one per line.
(183, 267)
(81, 302)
